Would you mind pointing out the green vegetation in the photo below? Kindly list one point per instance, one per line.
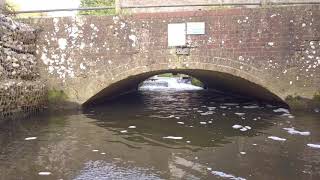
(168, 75)
(55, 96)
(316, 97)
(10, 7)
(98, 3)
(196, 82)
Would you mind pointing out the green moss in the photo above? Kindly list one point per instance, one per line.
(196, 82)
(296, 102)
(168, 75)
(316, 97)
(55, 96)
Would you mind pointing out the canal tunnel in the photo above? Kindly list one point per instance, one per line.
(215, 80)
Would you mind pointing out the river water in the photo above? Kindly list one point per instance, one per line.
(165, 135)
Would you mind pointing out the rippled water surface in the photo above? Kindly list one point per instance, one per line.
(165, 135)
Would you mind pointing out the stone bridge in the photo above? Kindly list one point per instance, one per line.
(271, 53)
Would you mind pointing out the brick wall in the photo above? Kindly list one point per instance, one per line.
(276, 48)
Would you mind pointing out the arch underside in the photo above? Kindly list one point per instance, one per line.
(212, 79)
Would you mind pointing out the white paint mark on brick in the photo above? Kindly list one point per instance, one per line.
(62, 43)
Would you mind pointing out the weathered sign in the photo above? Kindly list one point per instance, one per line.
(177, 34)
(196, 28)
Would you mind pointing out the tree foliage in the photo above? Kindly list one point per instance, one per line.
(97, 3)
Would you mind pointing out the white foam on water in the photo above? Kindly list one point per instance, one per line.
(248, 127)
(237, 126)
(282, 110)
(251, 107)
(132, 127)
(203, 122)
(30, 138)
(172, 84)
(230, 104)
(211, 108)
(314, 145)
(44, 173)
(243, 153)
(206, 113)
(95, 150)
(293, 131)
(223, 107)
(188, 141)
(124, 131)
(276, 138)
(180, 122)
(240, 114)
(103, 153)
(243, 129)
(225, 175)
(172, 137)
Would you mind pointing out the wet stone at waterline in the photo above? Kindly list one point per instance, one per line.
(165, 135)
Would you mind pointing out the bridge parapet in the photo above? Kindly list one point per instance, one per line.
(277, 49)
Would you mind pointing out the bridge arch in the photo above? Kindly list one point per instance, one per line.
(232, 77)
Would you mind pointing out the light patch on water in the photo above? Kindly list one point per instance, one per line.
(237, 126)
(132, 127)
(243, 129)
(207, 113)
(124, 131)
(211, 108)
(44, 173)
(203, 122)
(173, 137)
(293, 131)
(314, 146)
(251, 107)
(276, 138)
(243, 153)
(230, 104)
(240, 114)
(180, 122)
(225, 175)
(95, 150)
(282, 110)
(288, 115)
(103, 170)
(30, 138)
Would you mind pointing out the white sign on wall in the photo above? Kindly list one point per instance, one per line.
(177, 34)
(196, 28)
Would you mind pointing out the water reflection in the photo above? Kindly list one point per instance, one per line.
(98, 142)
(201, 120)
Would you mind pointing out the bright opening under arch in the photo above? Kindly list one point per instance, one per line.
(211, 79)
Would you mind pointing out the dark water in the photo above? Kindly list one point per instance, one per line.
(98, 143)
